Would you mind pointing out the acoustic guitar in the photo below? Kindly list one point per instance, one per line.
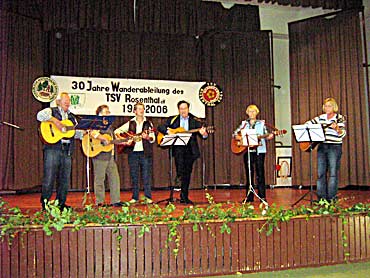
(51, 134)
(91, 146)
(237, 146)
(210, 129)
(131, 136)
(308, 146)
(305, 146)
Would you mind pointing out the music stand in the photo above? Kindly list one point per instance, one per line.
(250, 140)
(93, 123)
(170, 140)
(308, 133)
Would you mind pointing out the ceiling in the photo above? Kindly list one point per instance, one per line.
(325, 4)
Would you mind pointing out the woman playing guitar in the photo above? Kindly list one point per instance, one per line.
(330, 151)
(257, 155)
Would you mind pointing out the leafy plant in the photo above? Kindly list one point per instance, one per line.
(13, 221)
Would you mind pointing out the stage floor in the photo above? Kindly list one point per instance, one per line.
(282, 197)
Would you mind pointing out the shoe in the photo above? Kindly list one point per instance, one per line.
(248, 200)
(118, 204)
(132, 201)
(148, 201)
(186, 201)
(67, 207)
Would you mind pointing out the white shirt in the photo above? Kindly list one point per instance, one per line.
(139, 128)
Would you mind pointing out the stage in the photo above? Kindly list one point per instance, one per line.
(283, 197)
(125, 250)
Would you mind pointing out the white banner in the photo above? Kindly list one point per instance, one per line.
(159, 96)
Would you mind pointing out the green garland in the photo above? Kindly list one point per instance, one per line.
(13, 221)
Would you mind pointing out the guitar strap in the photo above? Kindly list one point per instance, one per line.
(174, 119)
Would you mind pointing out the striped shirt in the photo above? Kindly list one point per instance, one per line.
(331, 135)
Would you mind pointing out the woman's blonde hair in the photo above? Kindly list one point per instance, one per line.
(252, 107)
(332, 102)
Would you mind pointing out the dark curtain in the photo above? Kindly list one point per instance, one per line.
(326, 60)
(21, 63)
(190, 17)
(83, 38)
(241, 64)
(194, 17)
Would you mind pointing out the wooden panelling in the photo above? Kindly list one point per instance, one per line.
(98, 252)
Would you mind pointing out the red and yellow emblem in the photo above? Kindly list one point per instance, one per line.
(210, 94)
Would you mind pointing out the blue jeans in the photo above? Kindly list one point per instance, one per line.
(57, 167)
(328, 161)
(137, 161)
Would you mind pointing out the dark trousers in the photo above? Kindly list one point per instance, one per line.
(57, 167)
(137, 161)
(184, 166)
(257, 162)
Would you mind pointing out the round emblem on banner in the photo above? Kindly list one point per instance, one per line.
(45, 89)
(210, 94)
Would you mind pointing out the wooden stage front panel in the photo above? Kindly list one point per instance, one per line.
(96, 251)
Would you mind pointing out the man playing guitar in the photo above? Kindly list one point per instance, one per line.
(58, 154)
(105, 165)
(140, 152)
(185, 156)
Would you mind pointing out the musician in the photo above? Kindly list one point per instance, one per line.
(140, 153)
(184, 155)
(58, 156)
(105, 166)
(330, 151)
(257, 155)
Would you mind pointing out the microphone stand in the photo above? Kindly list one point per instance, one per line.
(250, 187)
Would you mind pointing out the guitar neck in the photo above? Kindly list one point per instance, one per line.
(275, 132)
(263, 136)
(193, 130)
(209, 129)
(118, 141)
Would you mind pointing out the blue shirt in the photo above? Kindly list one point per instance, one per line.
(184, 122)
(260, 129)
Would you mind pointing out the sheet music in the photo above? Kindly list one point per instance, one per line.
(309, 133)
(249, 137)
(178, 139)
(95, 122)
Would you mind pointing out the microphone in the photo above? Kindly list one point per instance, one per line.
(12, 125)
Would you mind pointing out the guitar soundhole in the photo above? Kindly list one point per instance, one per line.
(51, 130)
(91, 145)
